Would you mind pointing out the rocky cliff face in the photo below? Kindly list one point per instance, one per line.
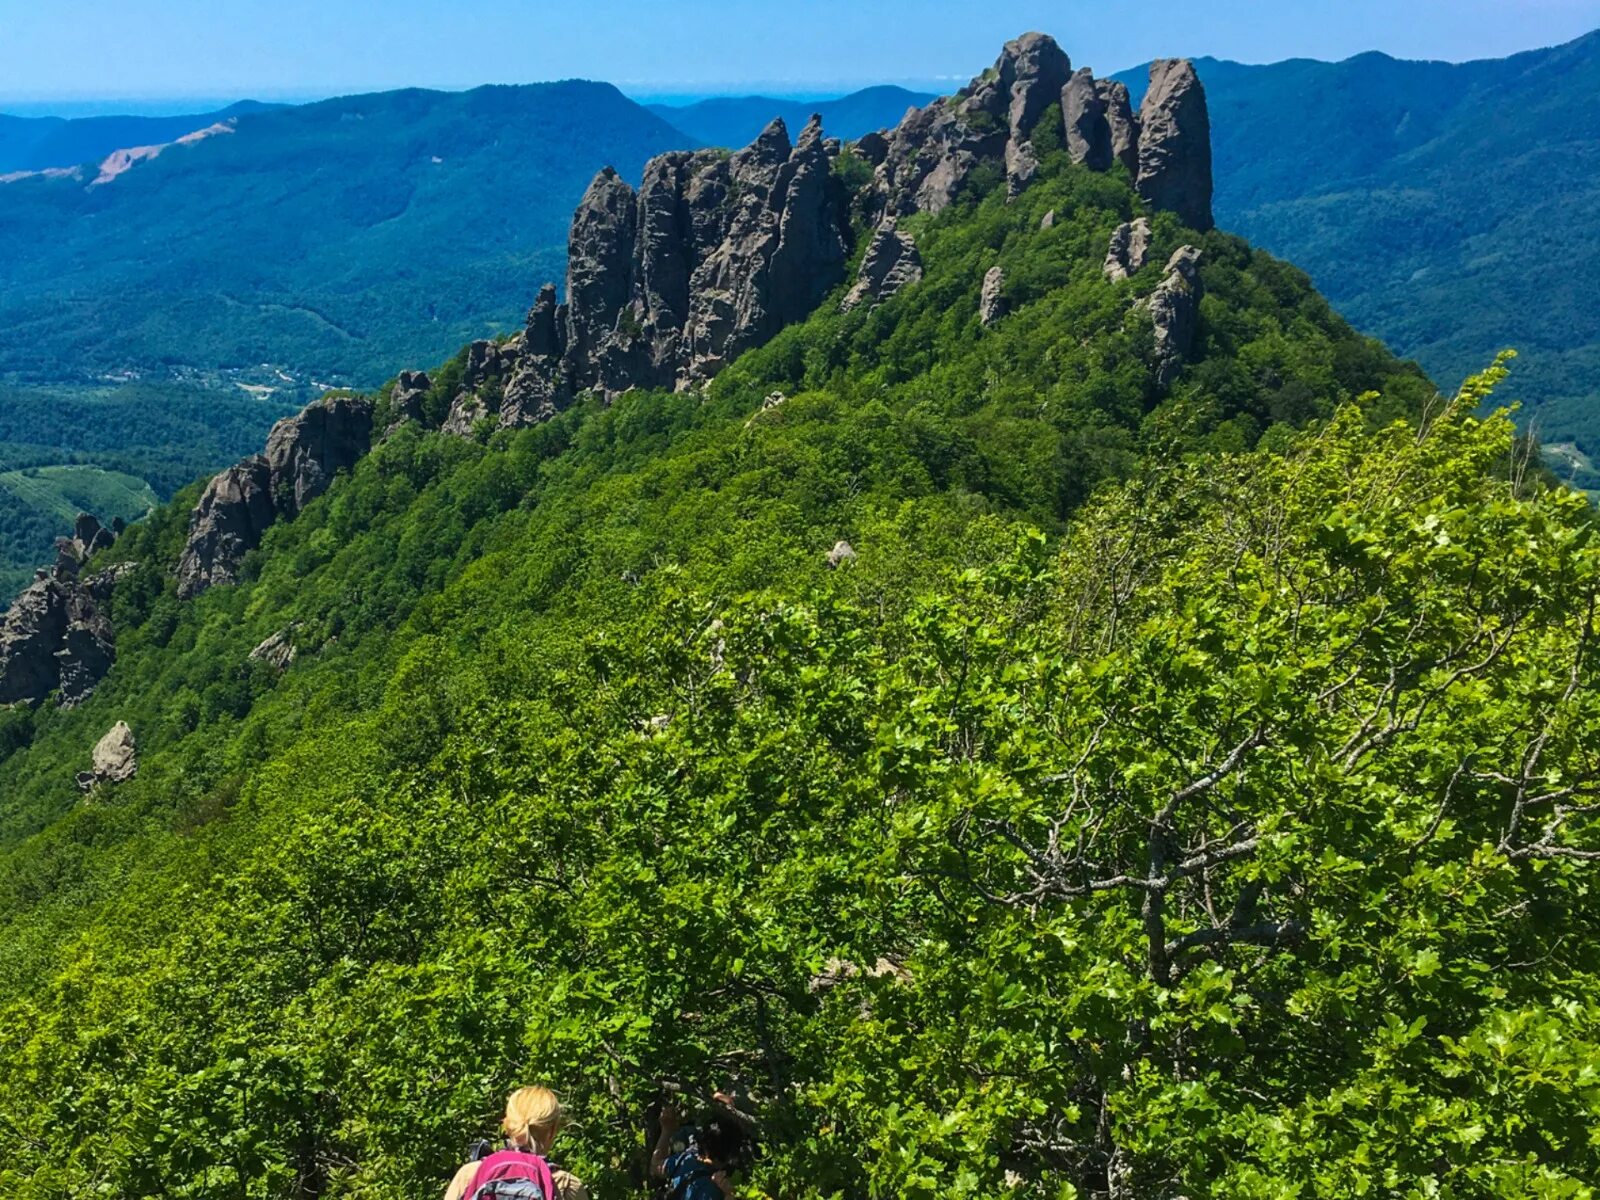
(56, 636)
(712, 255)
(303, 454)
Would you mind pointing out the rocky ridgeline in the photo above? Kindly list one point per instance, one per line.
(714, 254)
(56, 636)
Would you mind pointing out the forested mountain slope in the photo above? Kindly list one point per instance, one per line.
(331, 239)
(42, 143)
(1179, 785)
(1446, 208)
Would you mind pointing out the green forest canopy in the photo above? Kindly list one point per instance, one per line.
(1163, 798)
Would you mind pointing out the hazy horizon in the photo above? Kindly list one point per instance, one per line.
(165, 57)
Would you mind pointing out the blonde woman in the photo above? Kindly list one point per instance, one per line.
(522, 1171)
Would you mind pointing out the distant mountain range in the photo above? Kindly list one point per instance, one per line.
(736, 120)
(42, 143)
(1450, 209)
(340, 240)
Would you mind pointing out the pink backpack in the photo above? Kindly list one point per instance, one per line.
(512, 1175)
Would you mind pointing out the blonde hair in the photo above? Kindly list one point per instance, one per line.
(533, 1118)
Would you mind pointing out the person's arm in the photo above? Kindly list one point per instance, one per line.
(458, 1185)
(670, 1123)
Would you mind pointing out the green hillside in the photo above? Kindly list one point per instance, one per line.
(1446, 208)
(111, 450)
(1179, 793)
(340, 241)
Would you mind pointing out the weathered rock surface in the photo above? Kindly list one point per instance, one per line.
(890, 263)
(841, 553)
(992, 303)
(55, 637)
(1088, 131)
(405, 402)
(1175, 143)
(277, 651)
(305, 451)
(1033, 69)
(1129, 249)
(115, 759)
(234, 513)
(1122, 123)
(303, 454)
(1174, 308)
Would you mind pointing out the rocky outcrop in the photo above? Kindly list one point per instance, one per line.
(305, 451)
(115, 759)
(277, 651)
(711, 256)
(842, 552)
(1129, 250)
(992, 303)
(923, 164)
(57, 638)
(1121, 123)
(1174, 308)
(1175, 143)
(891, 263)
(233, 515)
(303, 454)
(406, 401)
(1088, 131)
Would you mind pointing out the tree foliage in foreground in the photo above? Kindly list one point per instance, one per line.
(1245, 847)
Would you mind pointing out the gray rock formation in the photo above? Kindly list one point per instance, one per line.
(890, 263)
(1022, 168)
(1048, 221)
(1088, 131)
(234, 513)
(305, 451)
(1174, 309)
(55, 637)
(841, 553)
(992, 304)
(1121, 122)
(1129, 249)
(303, 454)
(1032, 70)
(115, 759)
(710, 257)
(1175, 143)
(405, 402)
(276, 651)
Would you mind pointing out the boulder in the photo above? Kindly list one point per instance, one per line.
(1174, 309)
(1129, 249)
(1048, 221)
(891, 263)
(1175, 143)
(841, 553)
(992, 303)
(115, 759)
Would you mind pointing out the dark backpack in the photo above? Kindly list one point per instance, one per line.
(512, 1175)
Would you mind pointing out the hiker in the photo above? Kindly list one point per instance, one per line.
(522, 1171)
(699, 1170)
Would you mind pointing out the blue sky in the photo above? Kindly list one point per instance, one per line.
(61, 49)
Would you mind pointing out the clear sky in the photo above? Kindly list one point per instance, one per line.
(62, 49)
